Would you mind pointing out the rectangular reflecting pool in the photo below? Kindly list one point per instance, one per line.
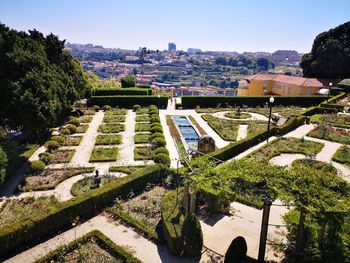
(188, 133)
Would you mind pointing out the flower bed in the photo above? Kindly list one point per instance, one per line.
(142, 138)
(227, 129)
(341, 121)
(111, 128)
(140, 127)
(84, 185)
(143, 153)
(328, 133)
(238, 116)
(62, 156)
(142, 111)
(113, 118)
(82, 128)
(85, 119)
(116, 112)
(72, 140)
(104, 154)
(142, 118)
(50, 178)
(108, 139)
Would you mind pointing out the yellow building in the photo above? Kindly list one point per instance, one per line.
(273, 84)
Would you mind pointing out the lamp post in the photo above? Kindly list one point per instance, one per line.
(329, 90)
(264, 229)
(271, 100)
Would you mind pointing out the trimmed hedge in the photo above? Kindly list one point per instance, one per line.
(214, 101)
(17, 235)
(100, 239)
(122, 92)
(128, 101)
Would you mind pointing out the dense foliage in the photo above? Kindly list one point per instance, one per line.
(192, 235)
(128, 82)
(3, 165)
(330, 54)
(38, 78)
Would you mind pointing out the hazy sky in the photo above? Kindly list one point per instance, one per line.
(249, 25)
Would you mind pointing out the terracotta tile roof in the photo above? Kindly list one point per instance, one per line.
(298, 81)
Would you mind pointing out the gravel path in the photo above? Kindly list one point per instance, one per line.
(35, 155)
(242, 132)
(286, 159)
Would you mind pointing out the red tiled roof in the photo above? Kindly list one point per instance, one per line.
(298, 81)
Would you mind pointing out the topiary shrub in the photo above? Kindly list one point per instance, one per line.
(153, 111)
(152, 106)
(65, 131)
(192, 235)
(162, 158)
(45, 157)
(59, 139)
(96, 108)
(156, 129)
(161, 150)
(52, 145)
(159, 142)
(106, 108)
(155, 119)
(72, 128)
(156, 124)
(157, 134)
(74, 121)
(136, 107)
(37, 167)
(237, 251)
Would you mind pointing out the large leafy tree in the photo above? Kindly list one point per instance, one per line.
(330, 54)
(39, 80)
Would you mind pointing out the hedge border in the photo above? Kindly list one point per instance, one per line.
(128, 101)
(214, 101)
(122, 92)
(17, 235)
(100, 238)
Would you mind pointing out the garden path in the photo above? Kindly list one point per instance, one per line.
(286, 159)
(242, 132)
(143, 249)
(255, 116)
(35, 155)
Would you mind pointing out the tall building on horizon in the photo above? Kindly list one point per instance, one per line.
(171, 47)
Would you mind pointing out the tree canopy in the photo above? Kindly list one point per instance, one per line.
(128, 82)
(39, 80)
(330, 54)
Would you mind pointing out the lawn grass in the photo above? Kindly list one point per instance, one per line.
(226, 129)
(286, 145)
(113, 118)
(142, 138)
(142, 118)
(139, 127)
(328, 133)
(108, 139)
(111, 128)
(340, 121)
(143, 153)
(342, 155)
(104, 154)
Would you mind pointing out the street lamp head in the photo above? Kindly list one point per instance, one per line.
(330, 84)
(272, 99)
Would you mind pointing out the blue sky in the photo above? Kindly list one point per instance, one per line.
(249, 25)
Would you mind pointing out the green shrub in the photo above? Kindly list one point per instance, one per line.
(157, 134)
(155, 119)
(3, 165)
(128, 101)
(52, 145)
(65, 131)
(128, 81)
(136, 107)
(153, 111)
(161, 150)
(153, 107)
(45, 157)
(192, 235)
(143, 86)
(74, 121)
(156, 129)
(72, 128)
(37, 167)
(162, 158)
(159, 142)
(156, 124)
(60, 139)
(96, 108)
(106, 108)
(237, 251)
(121, 92)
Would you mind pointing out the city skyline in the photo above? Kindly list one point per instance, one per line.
(251, 26)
